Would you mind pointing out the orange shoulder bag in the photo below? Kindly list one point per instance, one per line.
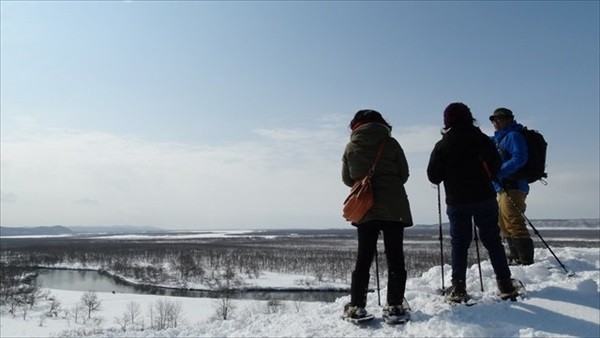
(361, 198)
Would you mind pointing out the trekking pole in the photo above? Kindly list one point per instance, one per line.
(478, 258)
(569, 273)
(377, 274)
(442, 290)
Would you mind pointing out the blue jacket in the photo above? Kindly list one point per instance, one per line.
(512, 147)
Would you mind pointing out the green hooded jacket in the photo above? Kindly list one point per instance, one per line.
(391, 172)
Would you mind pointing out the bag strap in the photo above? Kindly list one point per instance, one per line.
(379, 152)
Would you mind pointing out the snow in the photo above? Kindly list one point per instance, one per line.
(272, 280)
(555, 305)
(187, 235)
(152, 236)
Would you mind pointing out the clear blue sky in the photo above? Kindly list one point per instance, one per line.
(206, 115)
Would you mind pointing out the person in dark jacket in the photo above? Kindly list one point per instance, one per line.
(513, 150)
(466, 160)
(389, 214)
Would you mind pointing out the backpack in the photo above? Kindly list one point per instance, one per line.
(535, 167)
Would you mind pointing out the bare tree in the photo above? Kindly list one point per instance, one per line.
(319, 273)
(129, 317)
(174, 311)
(13, 305)
(78, 310)
(274, 306)
(165, 314)
(33, 293)
(187, 266)
(65, 313)
(11, 281)
(133, 311)
(90, 302)
(224, 307)
(151, 316)
(298, 306)
(122, 321)
(25, 308)
(42, 319)
(160, 320)
(225, 284)
(54, 307)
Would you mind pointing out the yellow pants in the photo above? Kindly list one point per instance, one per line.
(511, 222)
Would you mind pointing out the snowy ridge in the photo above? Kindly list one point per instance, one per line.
(556, 305)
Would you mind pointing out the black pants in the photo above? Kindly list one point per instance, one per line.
(393, 237)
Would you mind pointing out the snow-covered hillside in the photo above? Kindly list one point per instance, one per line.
(556, 305)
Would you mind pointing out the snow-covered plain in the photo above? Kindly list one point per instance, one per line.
(555, 305)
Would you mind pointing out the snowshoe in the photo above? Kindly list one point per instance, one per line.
(367, 318)
(514, 262)
(454, 301)
(511, 289)
(356, 314)
(396, 314)
(457, 294)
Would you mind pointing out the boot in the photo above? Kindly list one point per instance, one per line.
(458, 292)
(512, 255)
(507, 290)
(525, 249)
(395, 314)
(354, 312)
(396, 287)
(394, 310)
(358, 289)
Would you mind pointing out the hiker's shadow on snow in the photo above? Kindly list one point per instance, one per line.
(586, 294)
(539, 318)
(537, 315)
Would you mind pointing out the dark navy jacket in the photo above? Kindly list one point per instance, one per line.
(465, 160)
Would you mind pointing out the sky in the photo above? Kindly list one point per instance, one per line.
(234, 115)
(553, 306)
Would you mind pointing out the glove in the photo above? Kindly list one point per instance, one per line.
(501, 182)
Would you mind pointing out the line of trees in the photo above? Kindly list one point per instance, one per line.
(181, 263)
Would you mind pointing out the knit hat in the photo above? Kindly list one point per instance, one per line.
(457, 114)
(504, 113)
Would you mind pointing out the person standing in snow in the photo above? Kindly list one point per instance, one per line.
(512, 147)
(466, 160)
(390, 213)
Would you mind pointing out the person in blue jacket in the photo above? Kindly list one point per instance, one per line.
(512, 193)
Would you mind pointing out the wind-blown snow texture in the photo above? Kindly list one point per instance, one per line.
(556, 305)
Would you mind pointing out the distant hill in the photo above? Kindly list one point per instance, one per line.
(568, 223)
(35, 231)
(575, 224)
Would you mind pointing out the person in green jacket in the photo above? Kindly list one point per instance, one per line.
(390, 213)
